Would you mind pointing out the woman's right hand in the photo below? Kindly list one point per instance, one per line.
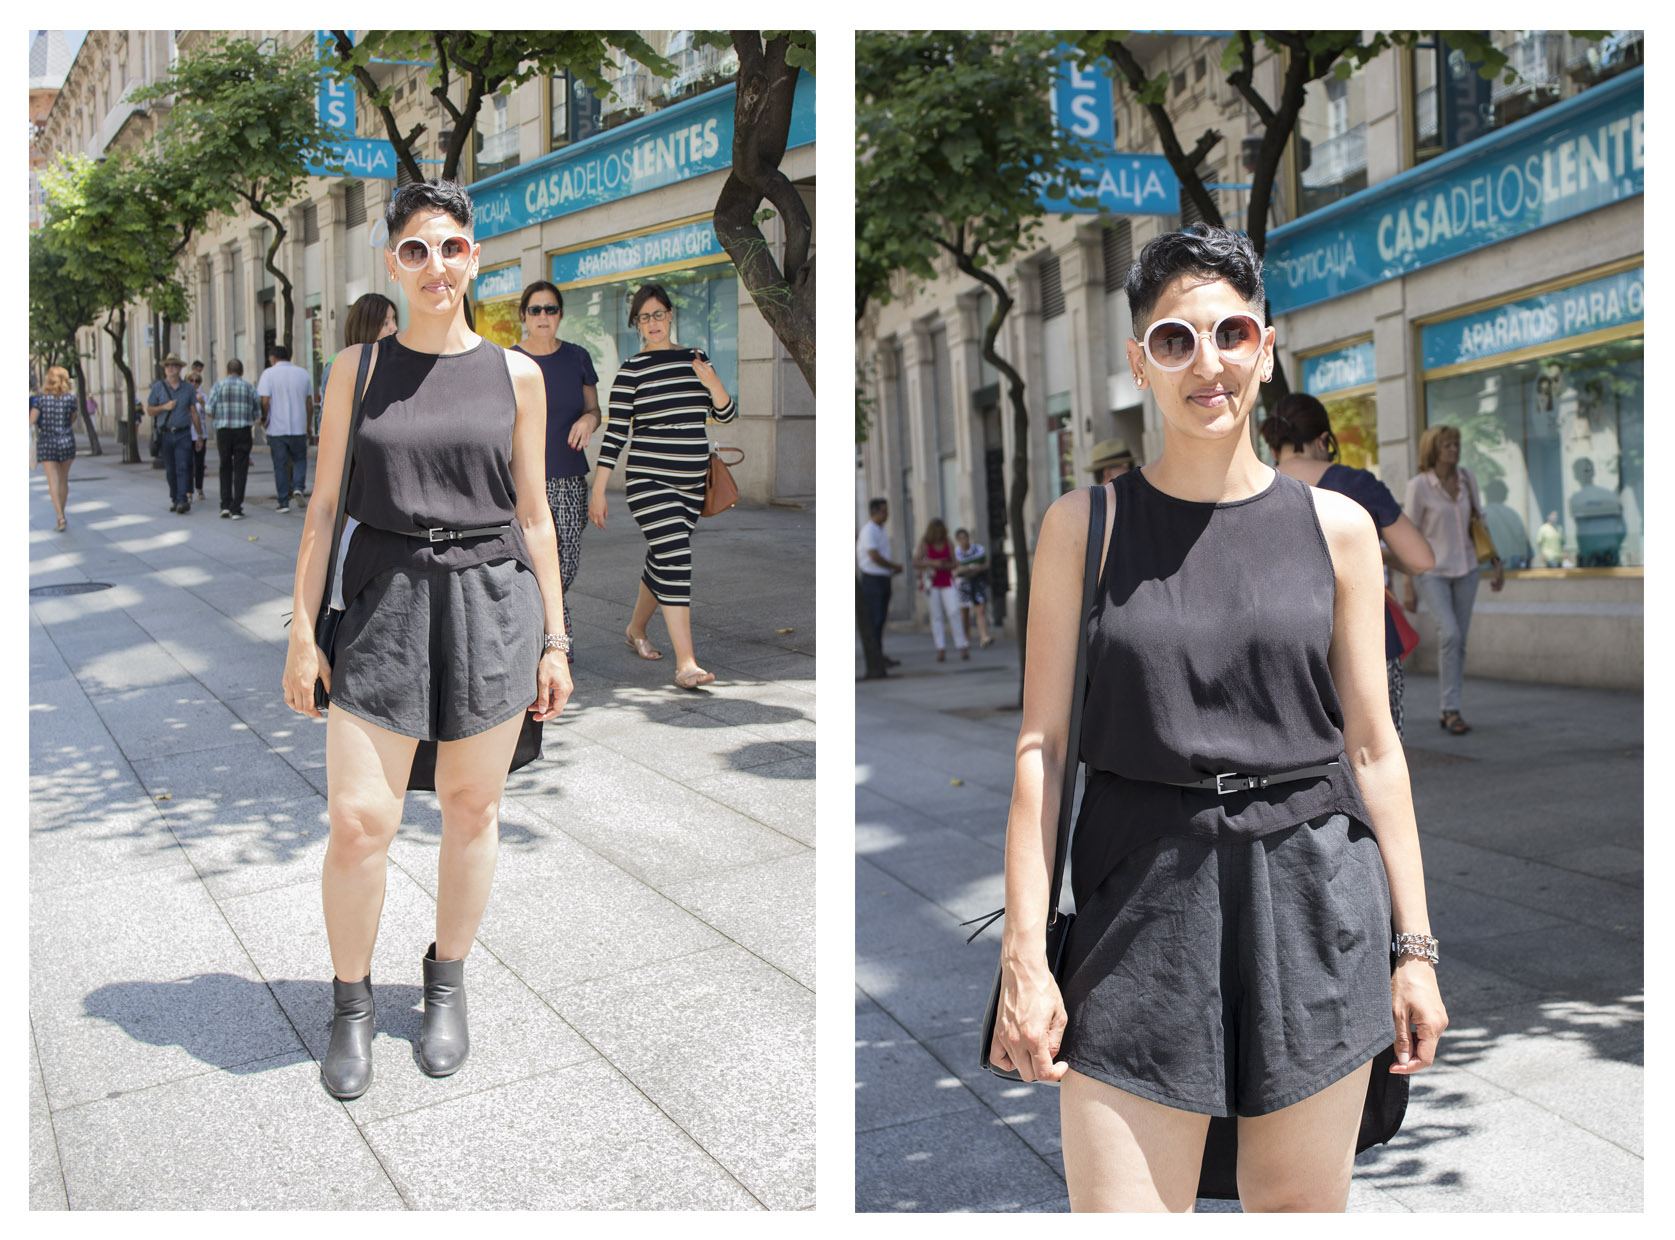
(1029, 1028)
(596, 508)
(303, 666)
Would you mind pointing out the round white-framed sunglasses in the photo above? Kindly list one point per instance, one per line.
(413, 253)
(1172, 344)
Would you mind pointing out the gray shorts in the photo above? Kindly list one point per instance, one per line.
(438, 654)
(1234, 977)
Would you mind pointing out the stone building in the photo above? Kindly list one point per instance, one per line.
(1442, 249)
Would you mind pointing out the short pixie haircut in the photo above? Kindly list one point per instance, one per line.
(448, 197)
(1198, 250)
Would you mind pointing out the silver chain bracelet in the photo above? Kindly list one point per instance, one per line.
(555, 641)
(1421, 945)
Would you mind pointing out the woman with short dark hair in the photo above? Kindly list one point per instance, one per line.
(1299, 434)
(453, 625)
(572, 417)
(1246, 832)
(661, 400)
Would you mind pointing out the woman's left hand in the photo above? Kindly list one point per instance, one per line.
(581, 430)
(1420, 1017)
(707, 376)
(552, 685)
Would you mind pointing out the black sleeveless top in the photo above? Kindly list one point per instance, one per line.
(1207, 653)
(434, 449)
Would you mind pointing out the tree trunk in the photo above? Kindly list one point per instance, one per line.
(761, 127)
(402, 142)
(93, 447)
(1019, 488)
(286, 300)
(118, 334)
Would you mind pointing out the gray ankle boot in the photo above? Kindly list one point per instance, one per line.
(444, 1040)
(346, 1070)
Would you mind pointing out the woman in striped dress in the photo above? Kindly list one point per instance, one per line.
(661, 399)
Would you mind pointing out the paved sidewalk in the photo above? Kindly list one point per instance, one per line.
(1531, 829)
(642, 986)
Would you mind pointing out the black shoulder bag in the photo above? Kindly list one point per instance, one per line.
(326, 622)
(1058, 921)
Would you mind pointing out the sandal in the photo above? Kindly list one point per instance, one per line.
(642, 647)
(61, 526)
(1452, 722)
(692, 679)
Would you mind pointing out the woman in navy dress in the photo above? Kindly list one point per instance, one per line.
(53, 415)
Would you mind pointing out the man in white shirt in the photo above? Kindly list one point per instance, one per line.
(872, 555)
(287, 397)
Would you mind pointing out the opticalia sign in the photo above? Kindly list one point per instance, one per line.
(501, 282)
(1540, 319)
(1564, 161)
(666, 248)
(336, 100)
(687, 140)
(355, 157)
(1117, 183)
(1339, 370)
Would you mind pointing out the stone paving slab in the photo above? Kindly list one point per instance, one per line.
(1533, 863)
(46, 1178)
(724, 1045)
(178, 959)
(264, 1137)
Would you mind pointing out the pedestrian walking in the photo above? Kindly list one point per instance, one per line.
(971, 574)
(1441, 501)
(173, 402)
(872, 557)
(1299, 434)
(935, 558)
(1111, 459)
(52, 412)
(451, 632)
(233, 410)
(287, 399)
(572, 417)
(1235, 871)
(200, 434)
(661, 399)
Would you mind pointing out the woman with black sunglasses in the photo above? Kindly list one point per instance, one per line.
(1246, 837)
(572, 417)
(453, 626)
(1299, 434)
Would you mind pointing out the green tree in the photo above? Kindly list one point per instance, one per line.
(483, 63)
(954, 138)
(770, 62)
(60, 305)
(1308, 56)
(242, 131)
(122, 240)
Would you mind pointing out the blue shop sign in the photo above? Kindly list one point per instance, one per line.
(1543, 318)
(501, 282)
(667, 247)
(336, 100)
(1339, 370)
(355, 157)
(678, 143)
(1118, 183)
(1564, 161)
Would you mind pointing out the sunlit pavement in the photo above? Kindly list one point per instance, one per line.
(1531, 831)
(641, 990)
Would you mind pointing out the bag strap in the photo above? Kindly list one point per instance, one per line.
(343, 485)
(1078, 695)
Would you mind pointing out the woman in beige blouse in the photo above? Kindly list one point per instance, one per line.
(1440, 500)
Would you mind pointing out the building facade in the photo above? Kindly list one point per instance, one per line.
(1447, 250)
(597, 194)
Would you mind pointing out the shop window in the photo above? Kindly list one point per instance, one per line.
(573, 111)
(706, 317)
(1453, 105)
(1331, 143)
(494, 144)
(1557, 443)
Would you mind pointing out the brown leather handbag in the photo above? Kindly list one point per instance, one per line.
(720, 491)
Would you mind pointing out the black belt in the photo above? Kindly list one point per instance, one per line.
(1235, 781)
(441, 535)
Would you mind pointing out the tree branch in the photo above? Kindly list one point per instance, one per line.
(403, 143)
(1242, 80)
(1186, 167)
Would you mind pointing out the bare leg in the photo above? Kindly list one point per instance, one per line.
(1123, 1152)
(470, 776)
(678, 620)
(366, 783)
(645, 604)
(1300, 1158)
(58, 486)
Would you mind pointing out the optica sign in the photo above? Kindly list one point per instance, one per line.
(1539, 319)
(665, 248)
(1339, 370)
(1565, 161)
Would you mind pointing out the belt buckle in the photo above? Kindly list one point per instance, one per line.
(438, 535)
(1240, 783)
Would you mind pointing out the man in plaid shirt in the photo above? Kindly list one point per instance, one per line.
(233, 408)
